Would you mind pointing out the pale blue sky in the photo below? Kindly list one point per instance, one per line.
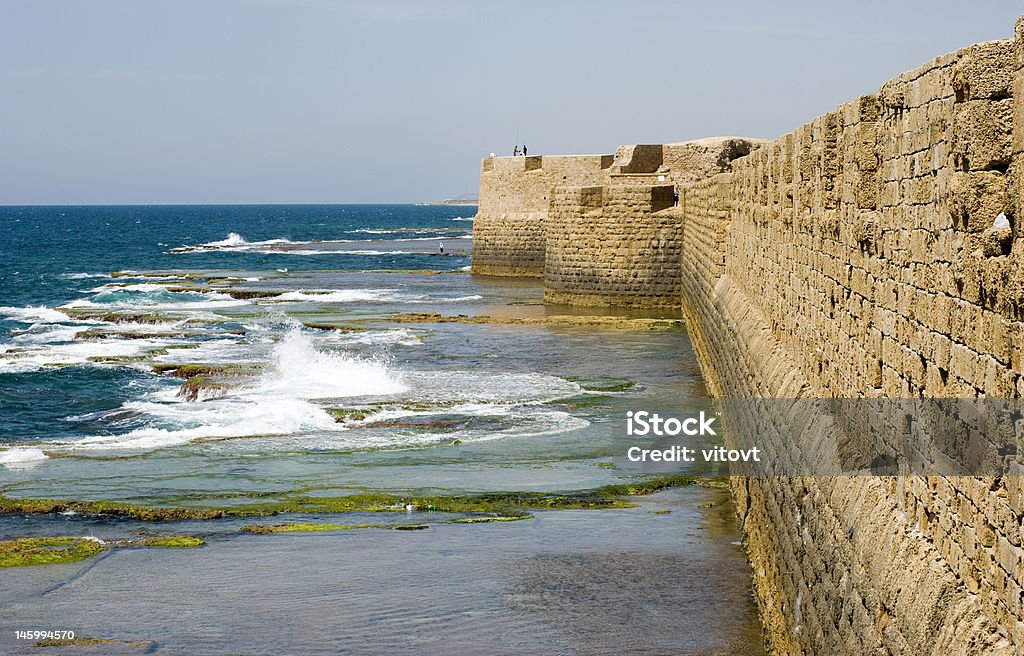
(249, 101)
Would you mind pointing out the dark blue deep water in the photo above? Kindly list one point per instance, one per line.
(40, 244)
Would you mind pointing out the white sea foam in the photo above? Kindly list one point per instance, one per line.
(456, 299)
(285, 403)
(396, 337)
(45, 333)
(21, 457)
(83, 276)
(334, 296)
(364, 295)
(236, 243)
(399, 231)
(277, 403)
(218, 418)
(156, 299)
(67, 354)
(233, 239)
(301, 370)
(462, 218)
(440, 238)
(121, 287)
(34, 314)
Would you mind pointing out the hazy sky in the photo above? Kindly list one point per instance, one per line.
(223, 101)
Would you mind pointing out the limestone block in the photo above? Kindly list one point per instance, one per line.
(985, 71)
(976, 198)
(996, 241)
(982, 134)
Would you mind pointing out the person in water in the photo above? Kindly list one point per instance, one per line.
(440, 248)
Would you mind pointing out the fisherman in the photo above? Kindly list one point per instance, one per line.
(524, 150)
(515, 151)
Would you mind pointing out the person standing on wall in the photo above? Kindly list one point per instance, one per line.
(524, 150)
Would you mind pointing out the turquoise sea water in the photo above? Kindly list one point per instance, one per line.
(98, 303)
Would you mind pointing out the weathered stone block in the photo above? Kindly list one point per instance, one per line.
(985, 71)
(975, 199)
(982, 134)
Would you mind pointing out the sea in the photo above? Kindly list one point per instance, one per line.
(323, 370)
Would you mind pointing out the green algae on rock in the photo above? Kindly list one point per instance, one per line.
(120, 316)
(73, 642)
(320, 325)
(142, 646)
(506, 503)
(491, 518)
(342, 415)
(27, 552)
(260, 529)
(196, 385)
(190, 369)
(175, 541)
(116, 359)
(601, 384)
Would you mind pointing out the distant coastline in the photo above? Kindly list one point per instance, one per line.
(467, 200)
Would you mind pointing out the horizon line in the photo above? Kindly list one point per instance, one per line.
(227, 204)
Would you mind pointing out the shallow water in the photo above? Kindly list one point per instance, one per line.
(565, 582)
(432, 408)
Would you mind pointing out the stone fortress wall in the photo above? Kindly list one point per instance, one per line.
(509, 229)
(530, 221)
(874, 252)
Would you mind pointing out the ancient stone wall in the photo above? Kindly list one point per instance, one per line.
(508, 231)
(864, 255)
(516, 193)
(620, 245)
(613, 246)
(876, 253)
